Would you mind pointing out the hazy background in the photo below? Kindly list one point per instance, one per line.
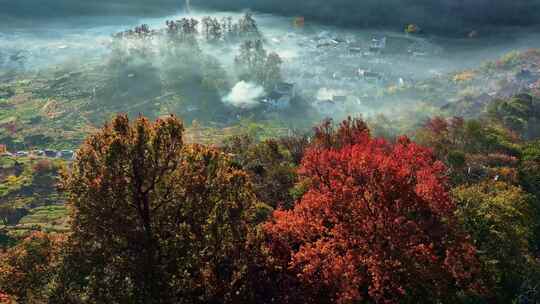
(66, 48)
(452, 17)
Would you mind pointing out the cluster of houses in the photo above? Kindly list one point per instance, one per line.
(376, 46)
(48, 153)
(342, 62)
(345, 64)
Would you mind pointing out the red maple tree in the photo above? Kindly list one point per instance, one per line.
(376, 225)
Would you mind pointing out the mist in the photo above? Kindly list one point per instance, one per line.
(71, 47)
(244, 95)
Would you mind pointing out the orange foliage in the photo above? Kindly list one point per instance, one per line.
(26, 269)
(376, 225)
(5, 299)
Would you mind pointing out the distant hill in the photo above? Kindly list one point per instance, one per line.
(454, 17)
(444, 16)
(23, 10)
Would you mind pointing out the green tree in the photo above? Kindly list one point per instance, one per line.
(530, 168)
(272, 70)
(254, 63)
(520, 114)
(271, 168)
(501, 221)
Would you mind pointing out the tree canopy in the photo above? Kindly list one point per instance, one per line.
(376, 224)
(154, 216)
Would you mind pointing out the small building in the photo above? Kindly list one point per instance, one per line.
(286, 89)
(51, 153)
(3, 149)
(280, 98)
(22, 154)
(327, 43)
(369, 75)
(419, 54)
(277, 101)
(67, 154)
(377, 44)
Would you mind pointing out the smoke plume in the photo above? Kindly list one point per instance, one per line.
(244, 95)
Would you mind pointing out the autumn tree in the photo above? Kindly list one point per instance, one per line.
(27, 269)
(471, 149)
(45, 174)
(270, 167)
(520, 113)
(155, 220)
(376, 225)
(5, 299)
(296, 145)
(470, 136)
(501, 220)
(348, 132)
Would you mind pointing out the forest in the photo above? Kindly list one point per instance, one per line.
(249, 158)
(337, 216)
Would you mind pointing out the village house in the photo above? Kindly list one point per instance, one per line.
(67, 154)
(355, 50)
(281, 96)
(51, 153)
(327, 43)
(369, 75)
(377, 44)
(22, 154)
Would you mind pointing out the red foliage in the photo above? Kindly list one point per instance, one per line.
(5, 299)
(350, 131)
(377, 225)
